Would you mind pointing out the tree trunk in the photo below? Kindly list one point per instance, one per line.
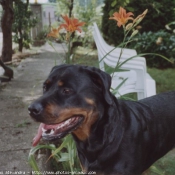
(8, 72)
(21, 33)
(6, 23)
(71, 7)
(20, 40)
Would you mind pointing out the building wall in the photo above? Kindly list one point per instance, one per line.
(37, 13)
(48, 16)
(45, 14)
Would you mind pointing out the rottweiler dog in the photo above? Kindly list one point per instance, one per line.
(112, 136)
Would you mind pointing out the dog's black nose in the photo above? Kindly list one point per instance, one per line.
(35, 109)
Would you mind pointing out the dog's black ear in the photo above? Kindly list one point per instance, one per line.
(101, 79)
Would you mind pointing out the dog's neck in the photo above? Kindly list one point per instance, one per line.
(93, 149)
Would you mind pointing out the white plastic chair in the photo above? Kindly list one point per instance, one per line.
(138, 80)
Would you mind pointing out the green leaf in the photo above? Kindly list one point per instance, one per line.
(115, 91)
(63, 145)
(64, 157)
(36, 148)
(114, 3)
(157, 171)
(31, 158)
(33, 164)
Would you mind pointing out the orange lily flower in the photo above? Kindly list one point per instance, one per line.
(54, 33)
(122, 17)
(71, 24)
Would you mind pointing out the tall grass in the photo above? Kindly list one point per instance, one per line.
(165, 79)
(64, 158)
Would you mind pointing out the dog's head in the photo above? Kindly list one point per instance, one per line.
(73, 99)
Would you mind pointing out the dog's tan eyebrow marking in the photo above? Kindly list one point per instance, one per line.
(90, 101)
(47, 81)
(60, 83)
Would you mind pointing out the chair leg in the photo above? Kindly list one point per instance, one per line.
(150, 87)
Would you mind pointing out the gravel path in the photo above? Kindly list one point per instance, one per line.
(16, 127)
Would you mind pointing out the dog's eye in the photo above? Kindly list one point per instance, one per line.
(67, 91)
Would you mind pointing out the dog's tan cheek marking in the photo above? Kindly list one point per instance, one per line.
(65, 114)
(56, 114)
(51, 112)
(83, 131)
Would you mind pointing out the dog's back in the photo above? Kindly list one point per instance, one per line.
(162, 105)
(150, 127)
(163, 108)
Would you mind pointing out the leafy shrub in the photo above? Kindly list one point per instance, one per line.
(42, 34)
(159, 13)
(160, 42)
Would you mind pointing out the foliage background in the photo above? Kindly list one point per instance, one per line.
(159, 14)
(148, 42)
(151, 28)
(22, 24)
(88, 13)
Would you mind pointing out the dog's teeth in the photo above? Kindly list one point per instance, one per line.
(52, 132)
(58, 127)
(45, 134)
(44, 130)
(65, 123)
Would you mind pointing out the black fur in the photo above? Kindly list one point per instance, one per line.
(127, 137)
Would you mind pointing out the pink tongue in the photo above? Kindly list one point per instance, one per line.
(38, 136)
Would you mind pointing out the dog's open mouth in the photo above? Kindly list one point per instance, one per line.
(57, 131)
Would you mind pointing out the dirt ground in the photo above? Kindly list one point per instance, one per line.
(16, 127)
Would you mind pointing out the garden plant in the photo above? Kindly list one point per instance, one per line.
(160, 14)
